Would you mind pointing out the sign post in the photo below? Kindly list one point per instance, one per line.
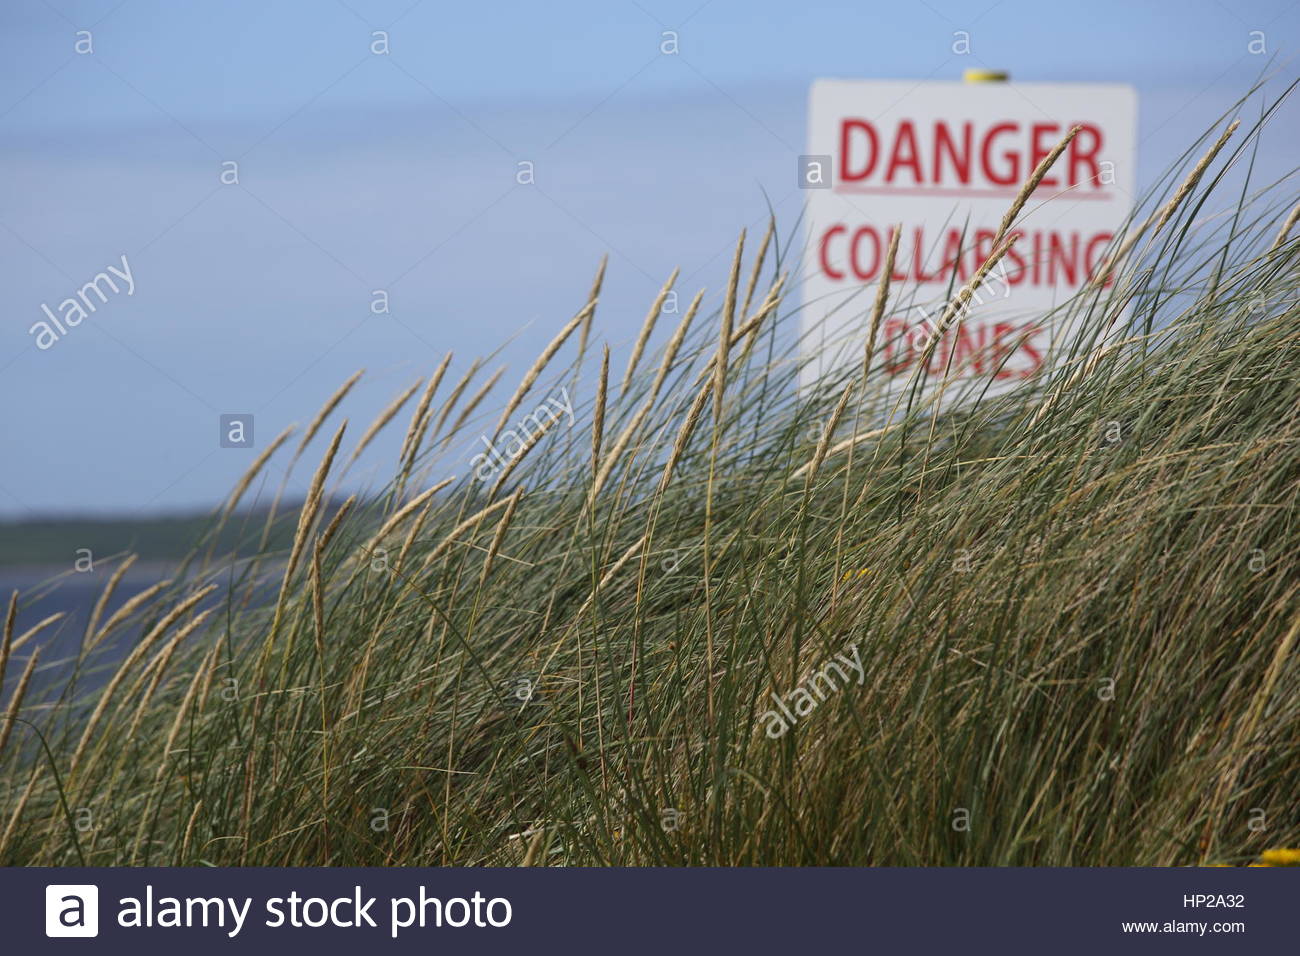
(943, 161)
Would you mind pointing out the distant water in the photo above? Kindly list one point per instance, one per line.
(44, 591)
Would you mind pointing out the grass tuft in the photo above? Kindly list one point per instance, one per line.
(1073, 607)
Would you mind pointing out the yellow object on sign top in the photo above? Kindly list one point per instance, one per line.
(986, 76)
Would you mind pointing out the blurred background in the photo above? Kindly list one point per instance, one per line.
(379, 147)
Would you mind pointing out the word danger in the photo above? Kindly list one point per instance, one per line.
(960, 154)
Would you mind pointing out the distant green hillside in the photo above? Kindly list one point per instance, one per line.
(56, 541)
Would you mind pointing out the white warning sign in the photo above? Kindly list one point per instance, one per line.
(944, 161)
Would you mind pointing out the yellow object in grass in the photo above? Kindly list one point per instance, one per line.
(1280, 857)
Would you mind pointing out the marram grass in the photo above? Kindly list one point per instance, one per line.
(1074, 608)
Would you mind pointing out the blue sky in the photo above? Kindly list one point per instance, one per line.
(361, 171)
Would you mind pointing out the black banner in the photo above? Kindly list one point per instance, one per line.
(659, 911)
